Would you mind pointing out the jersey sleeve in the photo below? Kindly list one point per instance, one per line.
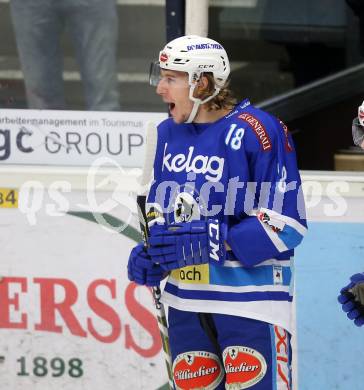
(268, 220)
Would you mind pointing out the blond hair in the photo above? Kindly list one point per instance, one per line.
(225, 99)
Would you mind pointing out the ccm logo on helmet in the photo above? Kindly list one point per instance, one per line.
(206, 66)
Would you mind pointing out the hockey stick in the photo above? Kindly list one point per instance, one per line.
(151, 143)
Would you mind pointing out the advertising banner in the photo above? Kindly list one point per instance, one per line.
(69, 317)
(77, 138)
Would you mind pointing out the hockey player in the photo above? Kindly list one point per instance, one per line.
(358, 128)
(352, 296)
(226, 211)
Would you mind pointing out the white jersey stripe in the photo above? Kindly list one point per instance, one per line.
(243, 309)
(211, 287)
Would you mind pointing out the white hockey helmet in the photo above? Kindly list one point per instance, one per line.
(194, 55)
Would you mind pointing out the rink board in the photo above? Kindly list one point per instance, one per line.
(328, 343)
(71, 319)
(330, 347)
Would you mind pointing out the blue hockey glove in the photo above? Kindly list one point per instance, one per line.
(179, 245)
(352, 299)
(142, 270)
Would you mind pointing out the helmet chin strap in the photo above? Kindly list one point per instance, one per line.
(196, 106)
(197, 102)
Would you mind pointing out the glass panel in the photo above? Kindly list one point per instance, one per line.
(89, 33)
(277, 45)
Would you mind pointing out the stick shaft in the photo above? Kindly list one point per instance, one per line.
(143, 222)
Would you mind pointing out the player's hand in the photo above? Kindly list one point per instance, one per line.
(352, 299)
(181, 244)
(142, 270)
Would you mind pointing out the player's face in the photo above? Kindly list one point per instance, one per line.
(174, 89)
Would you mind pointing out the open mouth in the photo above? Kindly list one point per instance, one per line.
(171, 107)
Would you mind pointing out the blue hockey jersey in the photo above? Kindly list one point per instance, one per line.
(242, 171)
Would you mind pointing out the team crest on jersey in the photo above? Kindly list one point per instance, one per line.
(244, 367)
(197, 370)
(186, 208)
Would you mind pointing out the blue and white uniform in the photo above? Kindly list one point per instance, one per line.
(233, 170)
(242, 171)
